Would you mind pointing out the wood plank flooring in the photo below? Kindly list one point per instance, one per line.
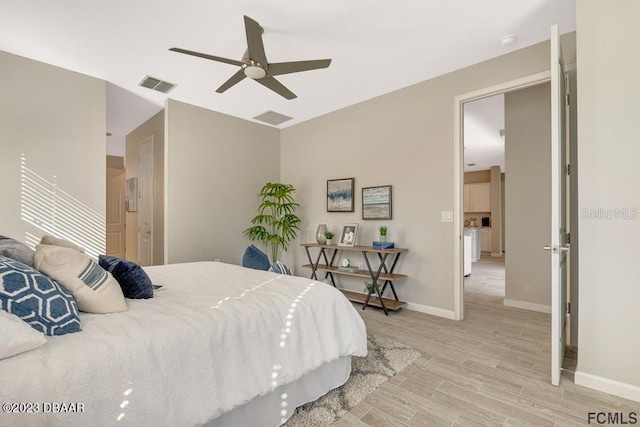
(492, 369)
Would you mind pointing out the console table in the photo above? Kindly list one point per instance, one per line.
(328, 253)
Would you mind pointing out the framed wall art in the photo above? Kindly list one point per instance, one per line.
(376, 202)
(340, 195)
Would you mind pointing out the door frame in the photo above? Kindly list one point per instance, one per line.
(148, 139)
(458, 172)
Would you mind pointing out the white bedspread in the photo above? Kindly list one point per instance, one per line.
(216, 336)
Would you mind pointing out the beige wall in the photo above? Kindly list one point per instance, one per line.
(152, 127)
(528, 196)
(404, 138)
(56, 119)
(216, 165)
(608, 151)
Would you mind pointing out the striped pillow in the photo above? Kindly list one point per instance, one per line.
(280, 268)
(93, 288)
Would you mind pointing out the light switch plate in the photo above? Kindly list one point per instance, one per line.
(447, 216)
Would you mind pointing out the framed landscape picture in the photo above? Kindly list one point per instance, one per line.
(340, 195)
(376, 202)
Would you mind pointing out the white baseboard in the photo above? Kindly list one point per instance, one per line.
(496, 254)
(527, 305)
(435, 311)
(628, 391)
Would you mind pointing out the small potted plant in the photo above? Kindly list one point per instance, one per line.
(375, 290)
(329, 235)
(383, 233)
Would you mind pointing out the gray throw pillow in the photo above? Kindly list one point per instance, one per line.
(17, 251)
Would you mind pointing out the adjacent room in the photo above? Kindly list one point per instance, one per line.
(344, 213)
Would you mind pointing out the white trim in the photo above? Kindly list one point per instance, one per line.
(628, 391)
(458, 173)
(435, 311)
(496, 254)
(527, 305)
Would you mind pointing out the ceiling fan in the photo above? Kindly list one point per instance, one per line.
(254, 63)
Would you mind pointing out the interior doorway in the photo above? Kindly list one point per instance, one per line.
(115, 207)
(458, 212)
(483, 198)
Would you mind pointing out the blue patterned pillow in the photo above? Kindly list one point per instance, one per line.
(37, 299)
(132, 278)
(255, 258)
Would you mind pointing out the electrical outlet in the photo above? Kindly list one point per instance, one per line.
(447, 216)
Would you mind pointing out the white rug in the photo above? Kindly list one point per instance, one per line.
(385, 359)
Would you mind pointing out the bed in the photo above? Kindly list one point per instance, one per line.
(217, 345)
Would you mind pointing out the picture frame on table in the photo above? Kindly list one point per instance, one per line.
(340, 195)
(377, 202)
(348, 235)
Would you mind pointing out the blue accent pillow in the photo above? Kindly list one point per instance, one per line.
(37, 299)
(255, 258)
(280, 268)
(133, 280)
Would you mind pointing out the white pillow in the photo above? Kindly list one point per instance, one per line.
(94, 288)
(56, 241)
(17, 336)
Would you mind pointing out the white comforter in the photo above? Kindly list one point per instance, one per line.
(215, 337)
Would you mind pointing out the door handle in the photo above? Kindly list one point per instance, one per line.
(557, 248)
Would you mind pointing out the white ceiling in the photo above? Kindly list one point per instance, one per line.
(483, 145)
(376, 46)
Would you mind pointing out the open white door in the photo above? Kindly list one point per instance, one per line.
(558, 246)
(115, 213)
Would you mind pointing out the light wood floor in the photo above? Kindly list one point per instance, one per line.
(492, 369)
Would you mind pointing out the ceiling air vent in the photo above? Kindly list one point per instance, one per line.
(272, 118)
(157, 84)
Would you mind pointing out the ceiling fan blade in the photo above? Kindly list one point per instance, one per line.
(237, 77)
(205, 56)
(277, 87)
(295, 67)
(254, 41)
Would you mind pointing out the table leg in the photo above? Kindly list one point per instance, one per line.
(390, 271)
(314, 266)
(374, 281)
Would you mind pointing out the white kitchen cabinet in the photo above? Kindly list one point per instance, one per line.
(477, 197)
(485, 239)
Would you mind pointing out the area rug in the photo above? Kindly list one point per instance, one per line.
(385, 359)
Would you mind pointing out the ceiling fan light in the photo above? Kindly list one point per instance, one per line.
(255, 72)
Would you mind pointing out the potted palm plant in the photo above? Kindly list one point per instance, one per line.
(329, 235)
(276, 223)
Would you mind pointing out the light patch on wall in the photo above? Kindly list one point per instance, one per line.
(53, 211)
